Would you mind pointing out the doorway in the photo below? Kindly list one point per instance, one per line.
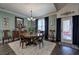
(66, 30)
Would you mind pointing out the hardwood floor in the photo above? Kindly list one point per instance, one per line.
(58, 50)
(6, 50)
(64, 50)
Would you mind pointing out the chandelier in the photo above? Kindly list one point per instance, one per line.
(31, 18)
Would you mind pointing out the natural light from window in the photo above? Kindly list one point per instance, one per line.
(41, 24)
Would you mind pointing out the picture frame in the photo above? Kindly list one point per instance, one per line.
(19, 21)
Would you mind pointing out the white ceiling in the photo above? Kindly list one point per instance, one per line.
(38, 9)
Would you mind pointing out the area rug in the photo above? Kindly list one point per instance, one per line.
(32, 50)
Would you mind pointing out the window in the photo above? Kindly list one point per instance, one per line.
(41, 24)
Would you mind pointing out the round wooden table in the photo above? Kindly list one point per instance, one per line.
(30, 38)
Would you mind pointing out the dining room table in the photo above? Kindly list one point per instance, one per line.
(30, 38)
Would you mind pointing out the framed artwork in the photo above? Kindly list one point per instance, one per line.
(19, 22)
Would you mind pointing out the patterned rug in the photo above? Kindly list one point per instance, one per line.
(32, 50)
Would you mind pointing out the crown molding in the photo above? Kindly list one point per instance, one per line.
(16, 14)
(49, 14)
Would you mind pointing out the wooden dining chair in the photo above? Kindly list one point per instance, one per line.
(40, 39)
(23, 40)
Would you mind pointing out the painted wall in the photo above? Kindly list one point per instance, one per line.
(11, 22)
(28, 24)
(52, 23)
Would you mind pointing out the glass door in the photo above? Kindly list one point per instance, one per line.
(66, 27)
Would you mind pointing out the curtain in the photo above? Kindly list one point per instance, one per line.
(75, 21)
(58, 30)
(46, 27)
(36, 28)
